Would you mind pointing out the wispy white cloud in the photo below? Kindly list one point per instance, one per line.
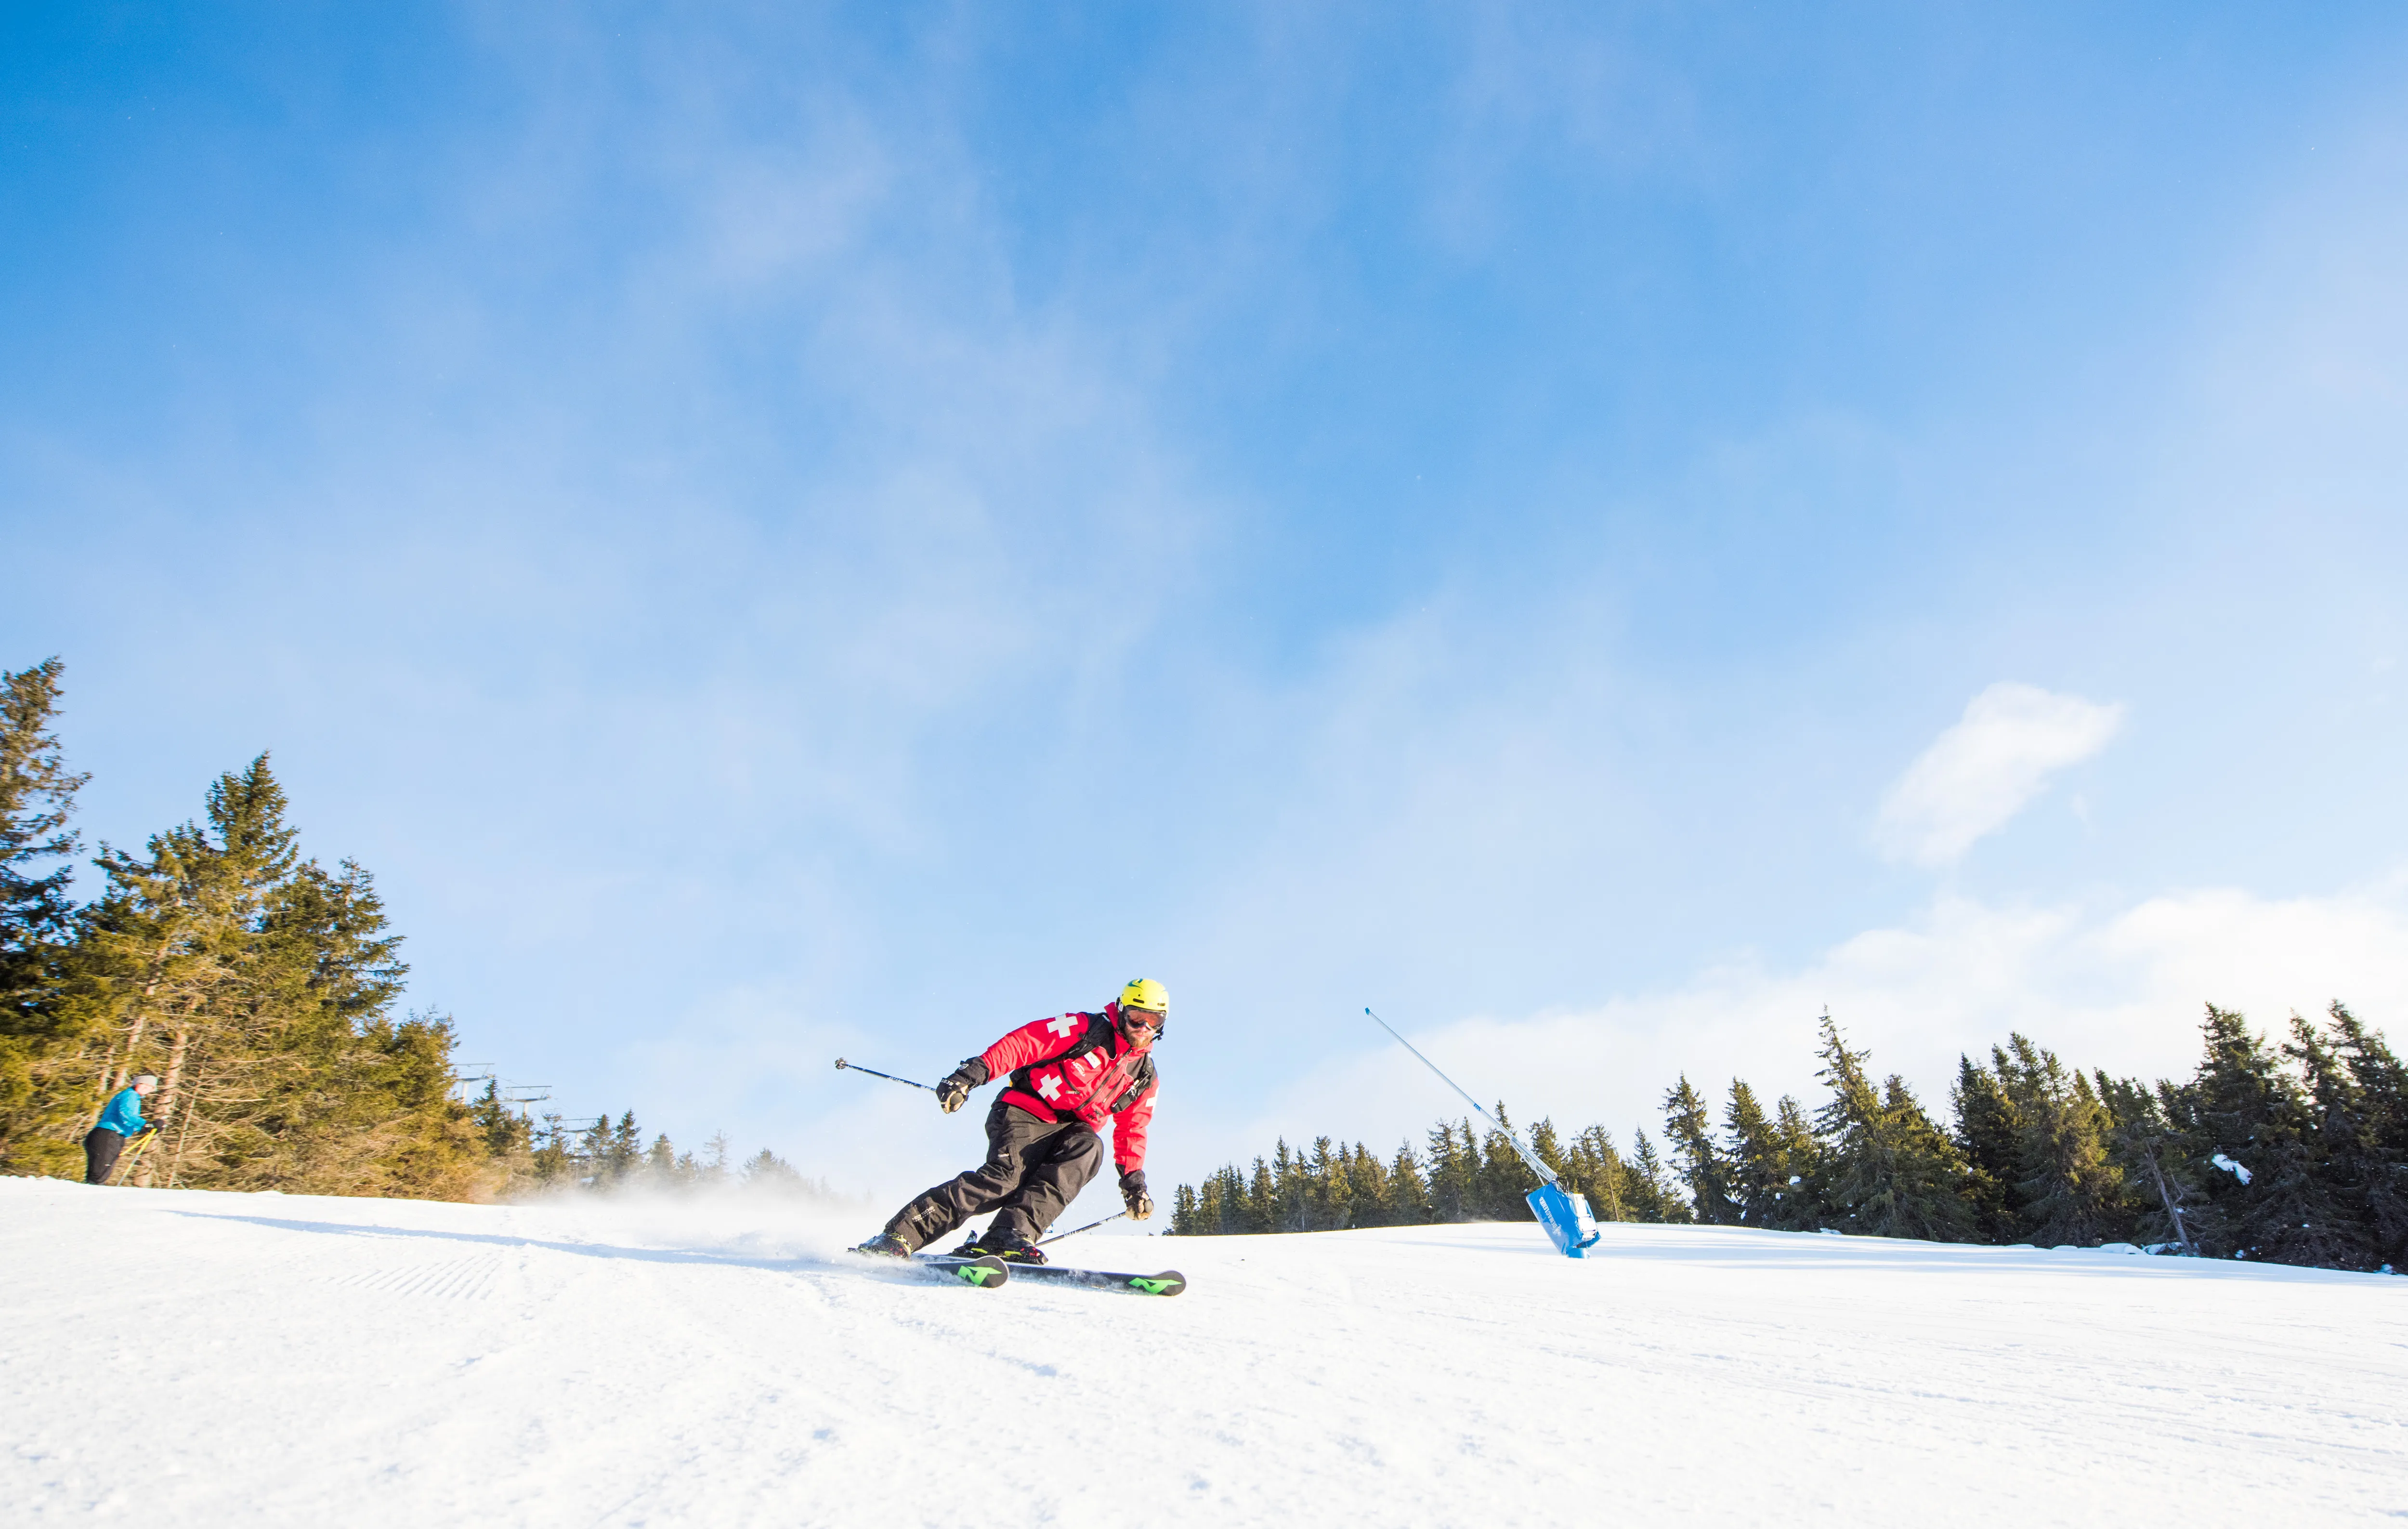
(735, 486)
(2119, 986)
(1979, 773)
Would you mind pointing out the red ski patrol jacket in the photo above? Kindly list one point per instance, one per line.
(1080, 1066)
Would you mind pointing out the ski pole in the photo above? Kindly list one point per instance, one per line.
(126, 1167)
(1546, 1174)
(873, 1071)
(1089, 1227)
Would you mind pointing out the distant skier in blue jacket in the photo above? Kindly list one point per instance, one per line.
(122, 1120)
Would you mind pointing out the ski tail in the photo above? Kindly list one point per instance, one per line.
(1168, 1282)
(985, 1272)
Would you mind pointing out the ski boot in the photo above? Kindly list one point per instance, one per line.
(1011, 1246)
(884, 1244)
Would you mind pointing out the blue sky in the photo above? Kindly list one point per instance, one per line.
(783, 531)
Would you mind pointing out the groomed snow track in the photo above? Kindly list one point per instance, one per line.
(185, 1359)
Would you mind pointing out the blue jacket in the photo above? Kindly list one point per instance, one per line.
(123, 1114)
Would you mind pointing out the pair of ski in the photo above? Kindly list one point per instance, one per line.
(988, 1272)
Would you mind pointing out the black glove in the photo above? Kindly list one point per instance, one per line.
(1141, 1204)
(958, 1084)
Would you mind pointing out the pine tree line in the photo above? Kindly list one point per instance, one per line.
(1460, 1175)
(260, 986)
(604, 1156)
(2297, 1155)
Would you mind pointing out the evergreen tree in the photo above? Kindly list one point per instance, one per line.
(591, 1154)
(1232, 1214)
(2241, 1108)
(1990, 1137)
(2335, 1163)
(1503, 1179)
(152, 958)
(2382, 1100)
(342, 1098)
(624, 1152)
(1775, 1174)
(1409, 1192)
(1597, 1171)
(1807, 1205)
(1194, 1209)
(1211, 1215)
(1649, 1188)
(1220, 1204)
(1548, 1148)
(181, 961)
(1262, 1201)
(1702, 1167)
(1893, 1172)
(506, 1139)
(554, 1160)
(2144, 1143)
(1757, 1174)
(408, 1137)
(1289, 1205)
(1454, 1173)
(1373, 1189)
(765, 1170)
(41, 1112)
(2065, 1190)
(1329, 1196)
(36, 800)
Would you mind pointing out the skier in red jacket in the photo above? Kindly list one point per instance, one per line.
(1064, 1076)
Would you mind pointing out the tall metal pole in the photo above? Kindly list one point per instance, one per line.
(1546, 1174)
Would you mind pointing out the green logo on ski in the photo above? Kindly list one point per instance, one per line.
(975, 1273)
(1151, 1287)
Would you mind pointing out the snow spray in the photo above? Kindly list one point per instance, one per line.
(1563, 1214)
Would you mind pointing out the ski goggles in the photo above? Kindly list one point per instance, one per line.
(1144, 1019)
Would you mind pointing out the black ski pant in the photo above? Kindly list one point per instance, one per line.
(1033, 1169)
(100, 1149)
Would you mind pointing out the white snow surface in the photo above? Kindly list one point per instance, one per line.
(188, 1359)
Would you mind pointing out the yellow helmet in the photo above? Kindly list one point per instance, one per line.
(1146, 994)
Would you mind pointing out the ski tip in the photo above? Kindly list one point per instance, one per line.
(1169, 1282)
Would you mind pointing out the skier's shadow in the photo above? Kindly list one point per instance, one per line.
(586, 1249)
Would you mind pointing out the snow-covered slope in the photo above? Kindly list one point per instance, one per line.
(190, 1360)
